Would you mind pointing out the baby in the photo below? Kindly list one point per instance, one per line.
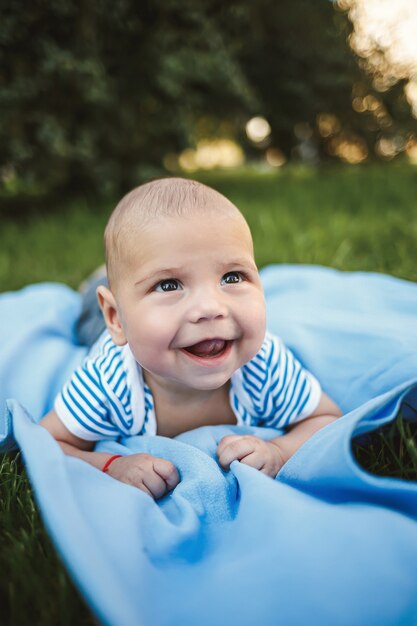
(186, 343)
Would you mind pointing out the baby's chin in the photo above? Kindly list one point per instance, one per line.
(188, 384)
(206, 383)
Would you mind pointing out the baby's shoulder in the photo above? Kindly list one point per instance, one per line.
(104, 356)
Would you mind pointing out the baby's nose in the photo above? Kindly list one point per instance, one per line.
(208, 306)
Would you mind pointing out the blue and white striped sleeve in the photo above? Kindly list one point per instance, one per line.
(295, 391)
(286, 391)
(83, 406)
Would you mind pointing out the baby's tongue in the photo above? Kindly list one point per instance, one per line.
(209, 347)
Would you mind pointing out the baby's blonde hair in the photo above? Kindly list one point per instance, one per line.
(165, 197)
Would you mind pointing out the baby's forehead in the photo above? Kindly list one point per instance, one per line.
(201, 224)
(221, 237)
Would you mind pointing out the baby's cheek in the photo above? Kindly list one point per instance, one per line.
(252, 344)
(151, 345)
(152, 358)
(255, 331)
(156, 341)
(256, 320)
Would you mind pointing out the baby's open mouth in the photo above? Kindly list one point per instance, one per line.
(208, 347)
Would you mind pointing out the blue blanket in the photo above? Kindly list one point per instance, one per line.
(324, 544)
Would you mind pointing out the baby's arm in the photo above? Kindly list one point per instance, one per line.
(151, 474)
(270, 456)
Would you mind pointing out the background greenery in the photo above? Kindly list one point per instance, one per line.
(345, 217)
(93, 95)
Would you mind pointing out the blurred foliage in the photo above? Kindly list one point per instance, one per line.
(95, 92)
(313, 90)
(93, 95)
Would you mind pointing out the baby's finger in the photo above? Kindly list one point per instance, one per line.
(235, 451)
(155, 484)
(144, 488)
(254, 460)
(167, 471)
(225, 441)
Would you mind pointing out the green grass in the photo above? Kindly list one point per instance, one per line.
(390, 451)
(350, 218)
(34, 586)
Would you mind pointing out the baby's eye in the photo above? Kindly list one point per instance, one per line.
(232, 278)
(170, 284)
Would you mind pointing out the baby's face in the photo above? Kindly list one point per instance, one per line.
(190, 301)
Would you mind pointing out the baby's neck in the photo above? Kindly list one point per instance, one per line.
(180, 409)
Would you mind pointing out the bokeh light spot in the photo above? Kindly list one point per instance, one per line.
(211, 154)
(258, 129)
(275, 157)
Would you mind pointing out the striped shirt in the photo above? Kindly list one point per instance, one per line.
(107, 396)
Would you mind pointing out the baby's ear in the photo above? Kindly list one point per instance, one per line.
(108, 307)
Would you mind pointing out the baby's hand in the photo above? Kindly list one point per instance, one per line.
(151, 474)
(264, 456)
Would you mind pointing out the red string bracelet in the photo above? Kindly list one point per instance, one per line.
(110, 460)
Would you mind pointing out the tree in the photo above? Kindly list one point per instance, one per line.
(94, 95)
